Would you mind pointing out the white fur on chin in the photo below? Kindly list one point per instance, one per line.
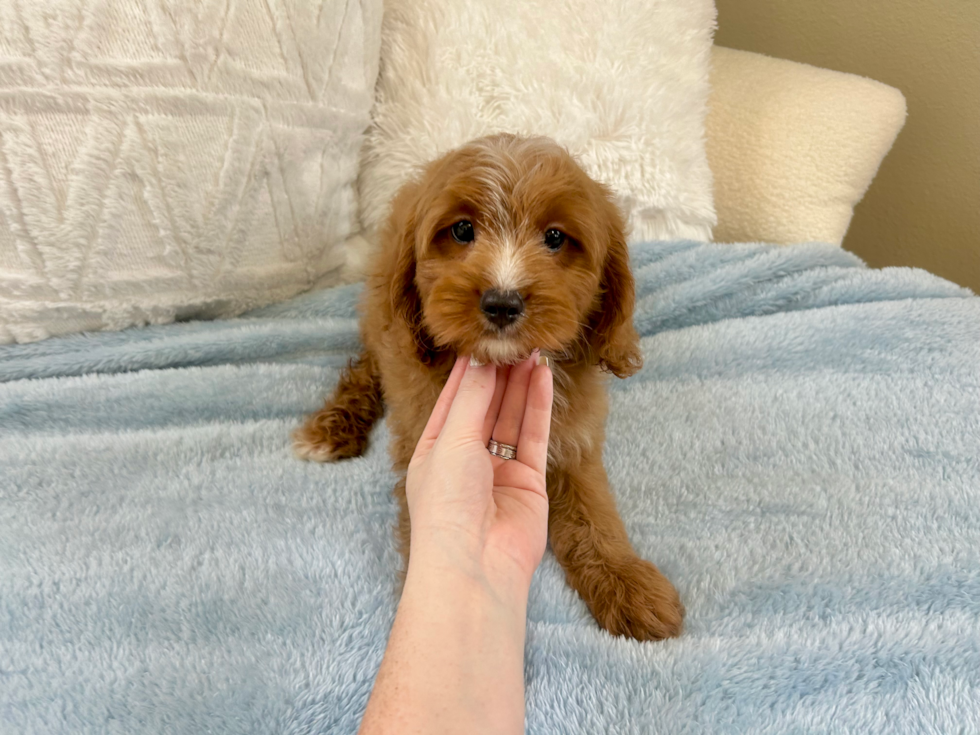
(501, 351)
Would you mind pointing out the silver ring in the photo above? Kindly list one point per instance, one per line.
(504, 451)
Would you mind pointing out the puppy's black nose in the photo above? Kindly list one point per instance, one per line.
(502, 307)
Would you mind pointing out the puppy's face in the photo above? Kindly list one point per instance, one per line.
(511, 247)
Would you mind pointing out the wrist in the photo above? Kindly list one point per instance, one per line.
(455, 658)
(454, 568)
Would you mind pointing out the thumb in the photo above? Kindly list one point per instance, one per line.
(472, 401)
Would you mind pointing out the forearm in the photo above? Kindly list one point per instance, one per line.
(454, 661)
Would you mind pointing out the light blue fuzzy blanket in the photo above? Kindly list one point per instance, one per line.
(799, 455)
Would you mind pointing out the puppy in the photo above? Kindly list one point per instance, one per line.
(500, 247)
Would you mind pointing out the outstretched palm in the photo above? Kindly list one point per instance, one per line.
(492, 512)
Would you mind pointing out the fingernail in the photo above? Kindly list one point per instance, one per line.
(544, 360)
(474, 362)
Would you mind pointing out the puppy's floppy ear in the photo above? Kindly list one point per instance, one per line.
(613, 338)
(399, 252)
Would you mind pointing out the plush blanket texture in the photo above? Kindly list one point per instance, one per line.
(799, 455)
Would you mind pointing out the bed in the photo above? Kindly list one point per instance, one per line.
(800, 455)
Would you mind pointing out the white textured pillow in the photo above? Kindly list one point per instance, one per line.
(163, 160)
(623, 84)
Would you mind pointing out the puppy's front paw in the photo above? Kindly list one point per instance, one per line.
(329, 436)
(635, 600)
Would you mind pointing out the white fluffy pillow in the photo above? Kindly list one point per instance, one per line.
(174, 160)
(623, 84)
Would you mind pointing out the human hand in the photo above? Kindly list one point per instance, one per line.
(481, 514)
(455, 655)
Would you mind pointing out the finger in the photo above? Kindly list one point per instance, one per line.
(532, 446)
(441, 410)
(503, 375)
(507, 428)
(469, 409)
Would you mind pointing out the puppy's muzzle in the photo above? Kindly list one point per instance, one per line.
(502, 308)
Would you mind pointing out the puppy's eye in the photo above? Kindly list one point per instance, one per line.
(554, 239)
(462, 231)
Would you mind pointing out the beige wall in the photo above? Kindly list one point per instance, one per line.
(923, 209)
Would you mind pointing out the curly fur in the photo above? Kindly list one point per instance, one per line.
(421, 308)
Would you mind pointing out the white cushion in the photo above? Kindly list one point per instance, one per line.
(170, 160)
(623, 84)
(793, 147)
